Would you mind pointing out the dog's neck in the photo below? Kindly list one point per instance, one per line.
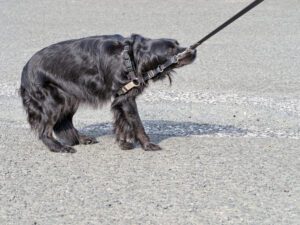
(134, 81)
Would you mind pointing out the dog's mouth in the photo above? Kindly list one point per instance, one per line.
(188, 59)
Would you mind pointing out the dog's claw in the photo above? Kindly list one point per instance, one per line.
(124, 145)
(151, 147)
(85, 140)
(64, 149)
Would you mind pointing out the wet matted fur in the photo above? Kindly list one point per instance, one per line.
(58, 78)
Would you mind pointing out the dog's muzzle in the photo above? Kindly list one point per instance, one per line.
(186, 57)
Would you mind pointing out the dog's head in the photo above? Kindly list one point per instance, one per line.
(149, 53)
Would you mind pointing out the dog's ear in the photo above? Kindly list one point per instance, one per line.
(140, 51)
(139, 45)
(143, 57)
(137, 38)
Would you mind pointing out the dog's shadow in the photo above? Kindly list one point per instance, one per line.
(159, 130)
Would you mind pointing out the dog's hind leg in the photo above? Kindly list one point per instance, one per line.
(46, 128)
(67, 134)
(54, 146)
(65, 131)
(42, 117)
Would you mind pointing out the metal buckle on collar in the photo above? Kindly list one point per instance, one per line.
(159, 69)
(130, 85)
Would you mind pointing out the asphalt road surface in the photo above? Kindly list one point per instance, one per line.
(229, 125)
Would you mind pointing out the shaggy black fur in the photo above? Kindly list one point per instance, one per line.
(58, 78)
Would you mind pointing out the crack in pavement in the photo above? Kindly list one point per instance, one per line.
(290, 105)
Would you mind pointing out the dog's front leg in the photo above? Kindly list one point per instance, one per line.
(123, 130)
(130, 111)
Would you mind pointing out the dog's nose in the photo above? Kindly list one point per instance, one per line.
(194, 51)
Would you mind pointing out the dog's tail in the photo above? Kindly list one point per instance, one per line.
(30, 101)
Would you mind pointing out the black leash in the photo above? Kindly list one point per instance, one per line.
(221, 27)
(174, 60)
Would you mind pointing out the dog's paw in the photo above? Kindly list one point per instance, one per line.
(64, 149)
(151, 147)
(124, 145)
(85, 140)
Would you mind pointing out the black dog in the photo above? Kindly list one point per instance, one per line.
(92, 70)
